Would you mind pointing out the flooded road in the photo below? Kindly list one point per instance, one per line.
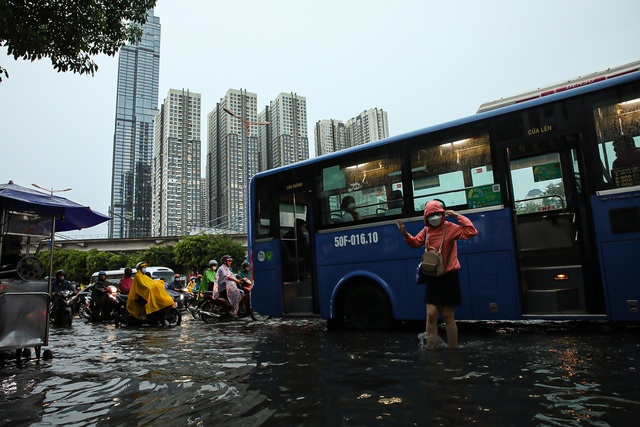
(293, 373)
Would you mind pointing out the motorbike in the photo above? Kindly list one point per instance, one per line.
(109, 304)
(62, 308)
(213, 310)
(168, 316)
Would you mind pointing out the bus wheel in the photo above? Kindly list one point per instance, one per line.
(366, 308)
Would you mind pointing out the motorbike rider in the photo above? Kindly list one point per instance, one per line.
(146, 295)
(228, 285)
(125, 283)
(209, 279)
(176, 285)
(58, 285)
(99, 299)
(245, 274)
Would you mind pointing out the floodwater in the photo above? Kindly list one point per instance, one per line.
(292, 372)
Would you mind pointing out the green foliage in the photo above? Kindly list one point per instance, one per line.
(69, 32)
(194, 252)
(191, 253)
(156, 255)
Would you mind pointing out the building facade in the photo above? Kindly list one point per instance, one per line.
(136, 107)
(370, 125)
(330, 136)
(177, 165)
(285, 140)
(232, 158)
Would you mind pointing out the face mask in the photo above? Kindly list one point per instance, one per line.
(435, 219)
(144, 270)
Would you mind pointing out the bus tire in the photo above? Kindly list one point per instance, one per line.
(366, 308)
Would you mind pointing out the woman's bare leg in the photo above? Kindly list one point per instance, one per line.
(448, 315)
(432, 326)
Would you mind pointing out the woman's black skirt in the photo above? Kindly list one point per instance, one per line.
(444, 290)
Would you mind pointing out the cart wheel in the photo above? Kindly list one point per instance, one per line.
(30, 268)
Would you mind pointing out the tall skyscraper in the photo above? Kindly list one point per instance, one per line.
(232, 148)
(176, 165)
(136, 107)
(330, 136)
(286, 139)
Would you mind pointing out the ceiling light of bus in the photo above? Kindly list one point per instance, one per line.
(631, 101)
(561, 276)
(451, 144)
(356, 166)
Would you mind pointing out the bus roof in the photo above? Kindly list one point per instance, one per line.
(562, 86)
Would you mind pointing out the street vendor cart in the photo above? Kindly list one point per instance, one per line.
(27, 216)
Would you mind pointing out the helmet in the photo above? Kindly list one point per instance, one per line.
(213, 262)
(141, 264)
(246, 264)
(128, 271)
(102, 273)
(176, 275)
(59, 272)
(199, 276)
(226, 258)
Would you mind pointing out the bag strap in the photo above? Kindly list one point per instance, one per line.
(442, 243)
(426, 248)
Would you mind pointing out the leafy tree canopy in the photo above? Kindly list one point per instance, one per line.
(69, 32)
(190, 254)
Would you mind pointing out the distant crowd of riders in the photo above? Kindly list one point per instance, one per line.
(215, 294)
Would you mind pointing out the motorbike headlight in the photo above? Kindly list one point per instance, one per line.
(181, 297)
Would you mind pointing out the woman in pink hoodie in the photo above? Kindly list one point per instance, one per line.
(442, 291)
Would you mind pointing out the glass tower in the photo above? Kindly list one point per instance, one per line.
(136, 107)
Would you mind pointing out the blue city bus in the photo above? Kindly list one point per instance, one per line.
(556, 206)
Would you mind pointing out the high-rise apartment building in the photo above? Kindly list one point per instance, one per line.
(370, 125)
(177, 165)
(136, 107)
(232, 158)
(286, 139)
(330, 136)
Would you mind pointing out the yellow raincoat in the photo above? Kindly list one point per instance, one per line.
(152, 291)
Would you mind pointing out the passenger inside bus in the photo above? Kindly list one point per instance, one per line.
(348, 207)
(627, 154)
(395, 203)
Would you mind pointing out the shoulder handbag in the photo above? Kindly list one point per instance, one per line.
(432, 263)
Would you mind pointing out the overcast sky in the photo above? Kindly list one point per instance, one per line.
(423, 62)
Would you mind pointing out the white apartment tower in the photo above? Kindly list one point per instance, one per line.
(370, 125)
(232, 158)
(330, 136)
(285, 140)
(176, 165)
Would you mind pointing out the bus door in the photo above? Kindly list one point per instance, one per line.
(549, 210)
(296, 253)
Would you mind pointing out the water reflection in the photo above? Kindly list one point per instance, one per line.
(292, 372)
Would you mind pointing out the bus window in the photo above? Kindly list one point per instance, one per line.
(359, 190)
(458, 173)
(537, 184)
(618, 135)
(262, 206)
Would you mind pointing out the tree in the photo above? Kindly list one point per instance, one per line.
(162, 255)
(194, 252)
(69, 32)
